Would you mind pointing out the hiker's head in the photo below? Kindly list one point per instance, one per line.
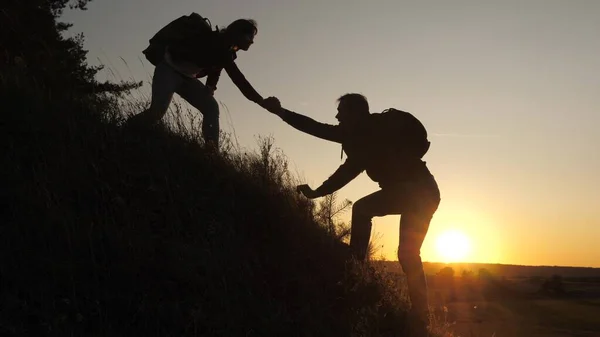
(352, 108)
(241, 33)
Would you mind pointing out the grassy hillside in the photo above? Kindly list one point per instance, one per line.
(107, 232)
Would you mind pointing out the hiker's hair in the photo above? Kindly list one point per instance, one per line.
(242, 27)
(358, 102)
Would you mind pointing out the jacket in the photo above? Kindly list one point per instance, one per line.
(365, 152)
(204, 47)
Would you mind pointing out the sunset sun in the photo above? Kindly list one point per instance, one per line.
(453, 246)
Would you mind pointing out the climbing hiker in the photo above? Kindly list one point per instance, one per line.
(187, 49)
(389, 146)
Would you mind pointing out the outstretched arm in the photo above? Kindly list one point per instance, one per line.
(308, 125)
(349, 170)
(242, 83)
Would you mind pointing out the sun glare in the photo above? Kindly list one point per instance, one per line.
(453, 246)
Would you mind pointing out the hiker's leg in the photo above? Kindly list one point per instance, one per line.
(413, 228)
(379, 203)
(165, 82)
(414, 224)
(199, 97)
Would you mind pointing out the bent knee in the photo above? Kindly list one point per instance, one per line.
(409, 257)
(362, 209)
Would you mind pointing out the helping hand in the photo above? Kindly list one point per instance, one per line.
(307, 191)
(272, 104)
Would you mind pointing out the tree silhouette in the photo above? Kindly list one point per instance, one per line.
(445, 276)
(467, 275)
(32, 41)
(554, 286)
(329, 210)
(485, 275)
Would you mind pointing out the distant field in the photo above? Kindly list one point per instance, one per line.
(528, 316)
(515, 308)
(525, 318)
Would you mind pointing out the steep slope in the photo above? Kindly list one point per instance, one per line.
(111, 232)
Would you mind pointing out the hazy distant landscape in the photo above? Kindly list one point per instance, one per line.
(516, 271)
(509, 300)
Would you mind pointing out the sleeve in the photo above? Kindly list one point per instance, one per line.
(242, 83)
(213, 77)
(349, 170)
(308, 125)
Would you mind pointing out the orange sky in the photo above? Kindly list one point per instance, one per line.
(507, 90)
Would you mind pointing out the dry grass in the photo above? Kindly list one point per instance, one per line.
(110, 232)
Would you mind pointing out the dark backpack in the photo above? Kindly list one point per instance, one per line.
(175, 35)
(403, 131)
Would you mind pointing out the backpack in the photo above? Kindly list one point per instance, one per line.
(175, 34)
(403, 131)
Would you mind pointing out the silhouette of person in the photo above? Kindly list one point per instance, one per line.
(407, 188)
(188, 49)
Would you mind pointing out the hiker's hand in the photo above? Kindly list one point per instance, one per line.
(271, 104)
(307, 191)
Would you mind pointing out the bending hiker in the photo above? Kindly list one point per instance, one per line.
(389, 146)
(187, 49)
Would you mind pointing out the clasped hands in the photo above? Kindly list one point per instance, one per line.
(308, 192)
(271, 104)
